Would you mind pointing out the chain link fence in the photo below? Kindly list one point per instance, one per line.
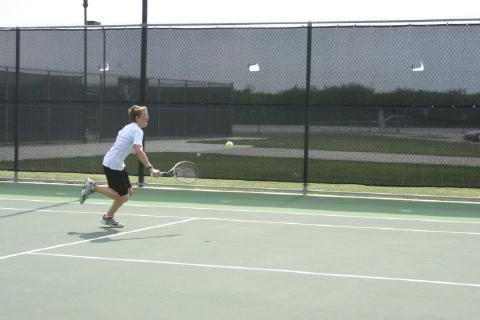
(305, 105)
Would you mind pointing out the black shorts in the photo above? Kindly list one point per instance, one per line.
(118, 180)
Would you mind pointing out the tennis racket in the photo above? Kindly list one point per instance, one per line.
(183, 171)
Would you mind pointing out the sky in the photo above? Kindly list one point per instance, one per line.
(115, 12)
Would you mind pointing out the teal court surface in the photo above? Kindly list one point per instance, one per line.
(227, 255)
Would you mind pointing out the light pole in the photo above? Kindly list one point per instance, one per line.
(103, 69)
(85, 123)
(85, 6)
(143, 78)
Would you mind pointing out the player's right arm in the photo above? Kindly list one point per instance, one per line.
(142, 157)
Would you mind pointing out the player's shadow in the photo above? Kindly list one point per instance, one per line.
(36, 209)
(104, 236)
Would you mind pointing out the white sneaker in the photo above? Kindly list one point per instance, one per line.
(111, 222)
(87, 189)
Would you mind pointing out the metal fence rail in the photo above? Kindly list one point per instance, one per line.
(385, 103)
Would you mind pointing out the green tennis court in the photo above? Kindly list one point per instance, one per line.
(227, 255)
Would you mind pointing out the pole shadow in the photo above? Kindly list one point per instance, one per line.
(36, 209)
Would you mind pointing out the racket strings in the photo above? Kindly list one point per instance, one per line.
(185, 172)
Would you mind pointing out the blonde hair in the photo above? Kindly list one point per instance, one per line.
(135, 111)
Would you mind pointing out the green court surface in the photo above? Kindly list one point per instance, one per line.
(227, 255)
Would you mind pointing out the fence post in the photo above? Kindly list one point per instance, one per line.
(7, 106)
(232, 109)
(307, 108)
(48, 85)
(6, 83)
(85, 82)
(17, 83)
(143, 79)
(49, 111)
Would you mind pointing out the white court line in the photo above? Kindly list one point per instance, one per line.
(274, 222)
(379, 196)
(299, 213)
(260, 211)
(93, 239)
(345, 226)
(322, 274)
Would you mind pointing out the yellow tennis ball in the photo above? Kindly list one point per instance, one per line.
(229, 145)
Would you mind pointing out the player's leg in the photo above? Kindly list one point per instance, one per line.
(121, 196)
(106, 191)
(119, 182)
(108, 218)
(90, 186)
(117, 203)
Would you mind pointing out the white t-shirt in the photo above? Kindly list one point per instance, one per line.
(130, 135)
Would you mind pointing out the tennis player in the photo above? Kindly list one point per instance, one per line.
(119, 186)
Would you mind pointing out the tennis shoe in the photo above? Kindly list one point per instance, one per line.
(87, 189)
(111, 222)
